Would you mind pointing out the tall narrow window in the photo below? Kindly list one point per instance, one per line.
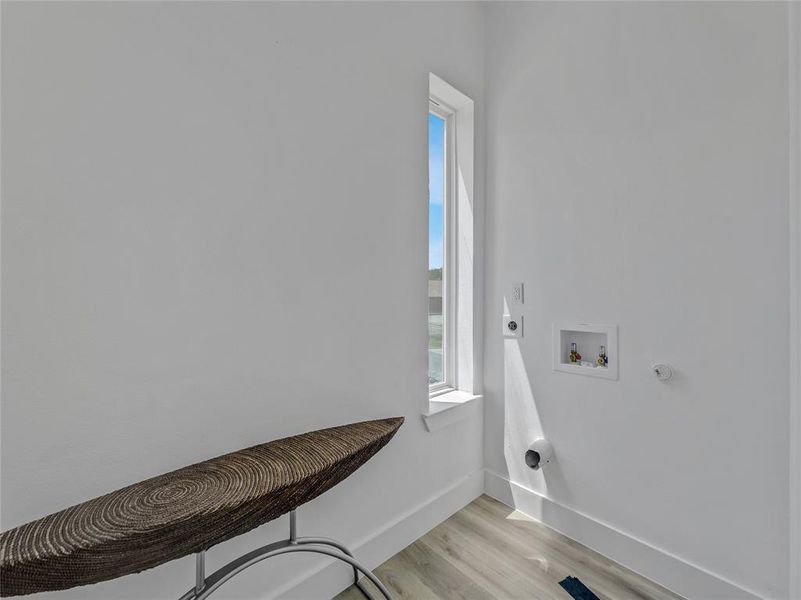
(453, 326)
(438, 239)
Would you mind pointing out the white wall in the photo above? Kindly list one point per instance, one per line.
(794, 68)
(637, 175)
(214, 220)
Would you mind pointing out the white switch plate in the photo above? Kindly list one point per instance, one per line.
(516, 297)
(517, 331)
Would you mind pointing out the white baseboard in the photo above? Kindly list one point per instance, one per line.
(332, 577)
(662, 567)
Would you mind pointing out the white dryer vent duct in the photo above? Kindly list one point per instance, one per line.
(539, 454)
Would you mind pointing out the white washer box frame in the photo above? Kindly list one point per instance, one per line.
(610, 372)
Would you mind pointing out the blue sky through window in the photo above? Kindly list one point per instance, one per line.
(436, 190)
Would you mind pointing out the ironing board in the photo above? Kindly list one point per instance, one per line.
(190, 510)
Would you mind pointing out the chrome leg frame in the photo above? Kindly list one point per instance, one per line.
(205, 586)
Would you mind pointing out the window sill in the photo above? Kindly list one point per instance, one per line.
(450, 407)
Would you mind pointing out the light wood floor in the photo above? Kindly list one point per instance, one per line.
(488, 551)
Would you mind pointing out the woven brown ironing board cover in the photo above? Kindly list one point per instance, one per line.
(183, 512)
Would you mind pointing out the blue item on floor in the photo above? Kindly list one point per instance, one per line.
(574, 587)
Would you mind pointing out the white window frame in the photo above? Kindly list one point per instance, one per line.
(449, 263)
(459, 397)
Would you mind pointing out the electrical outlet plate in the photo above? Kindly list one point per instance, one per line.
(515, 331)
(516, 295)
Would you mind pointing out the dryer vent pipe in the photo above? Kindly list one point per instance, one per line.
(539, 454)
